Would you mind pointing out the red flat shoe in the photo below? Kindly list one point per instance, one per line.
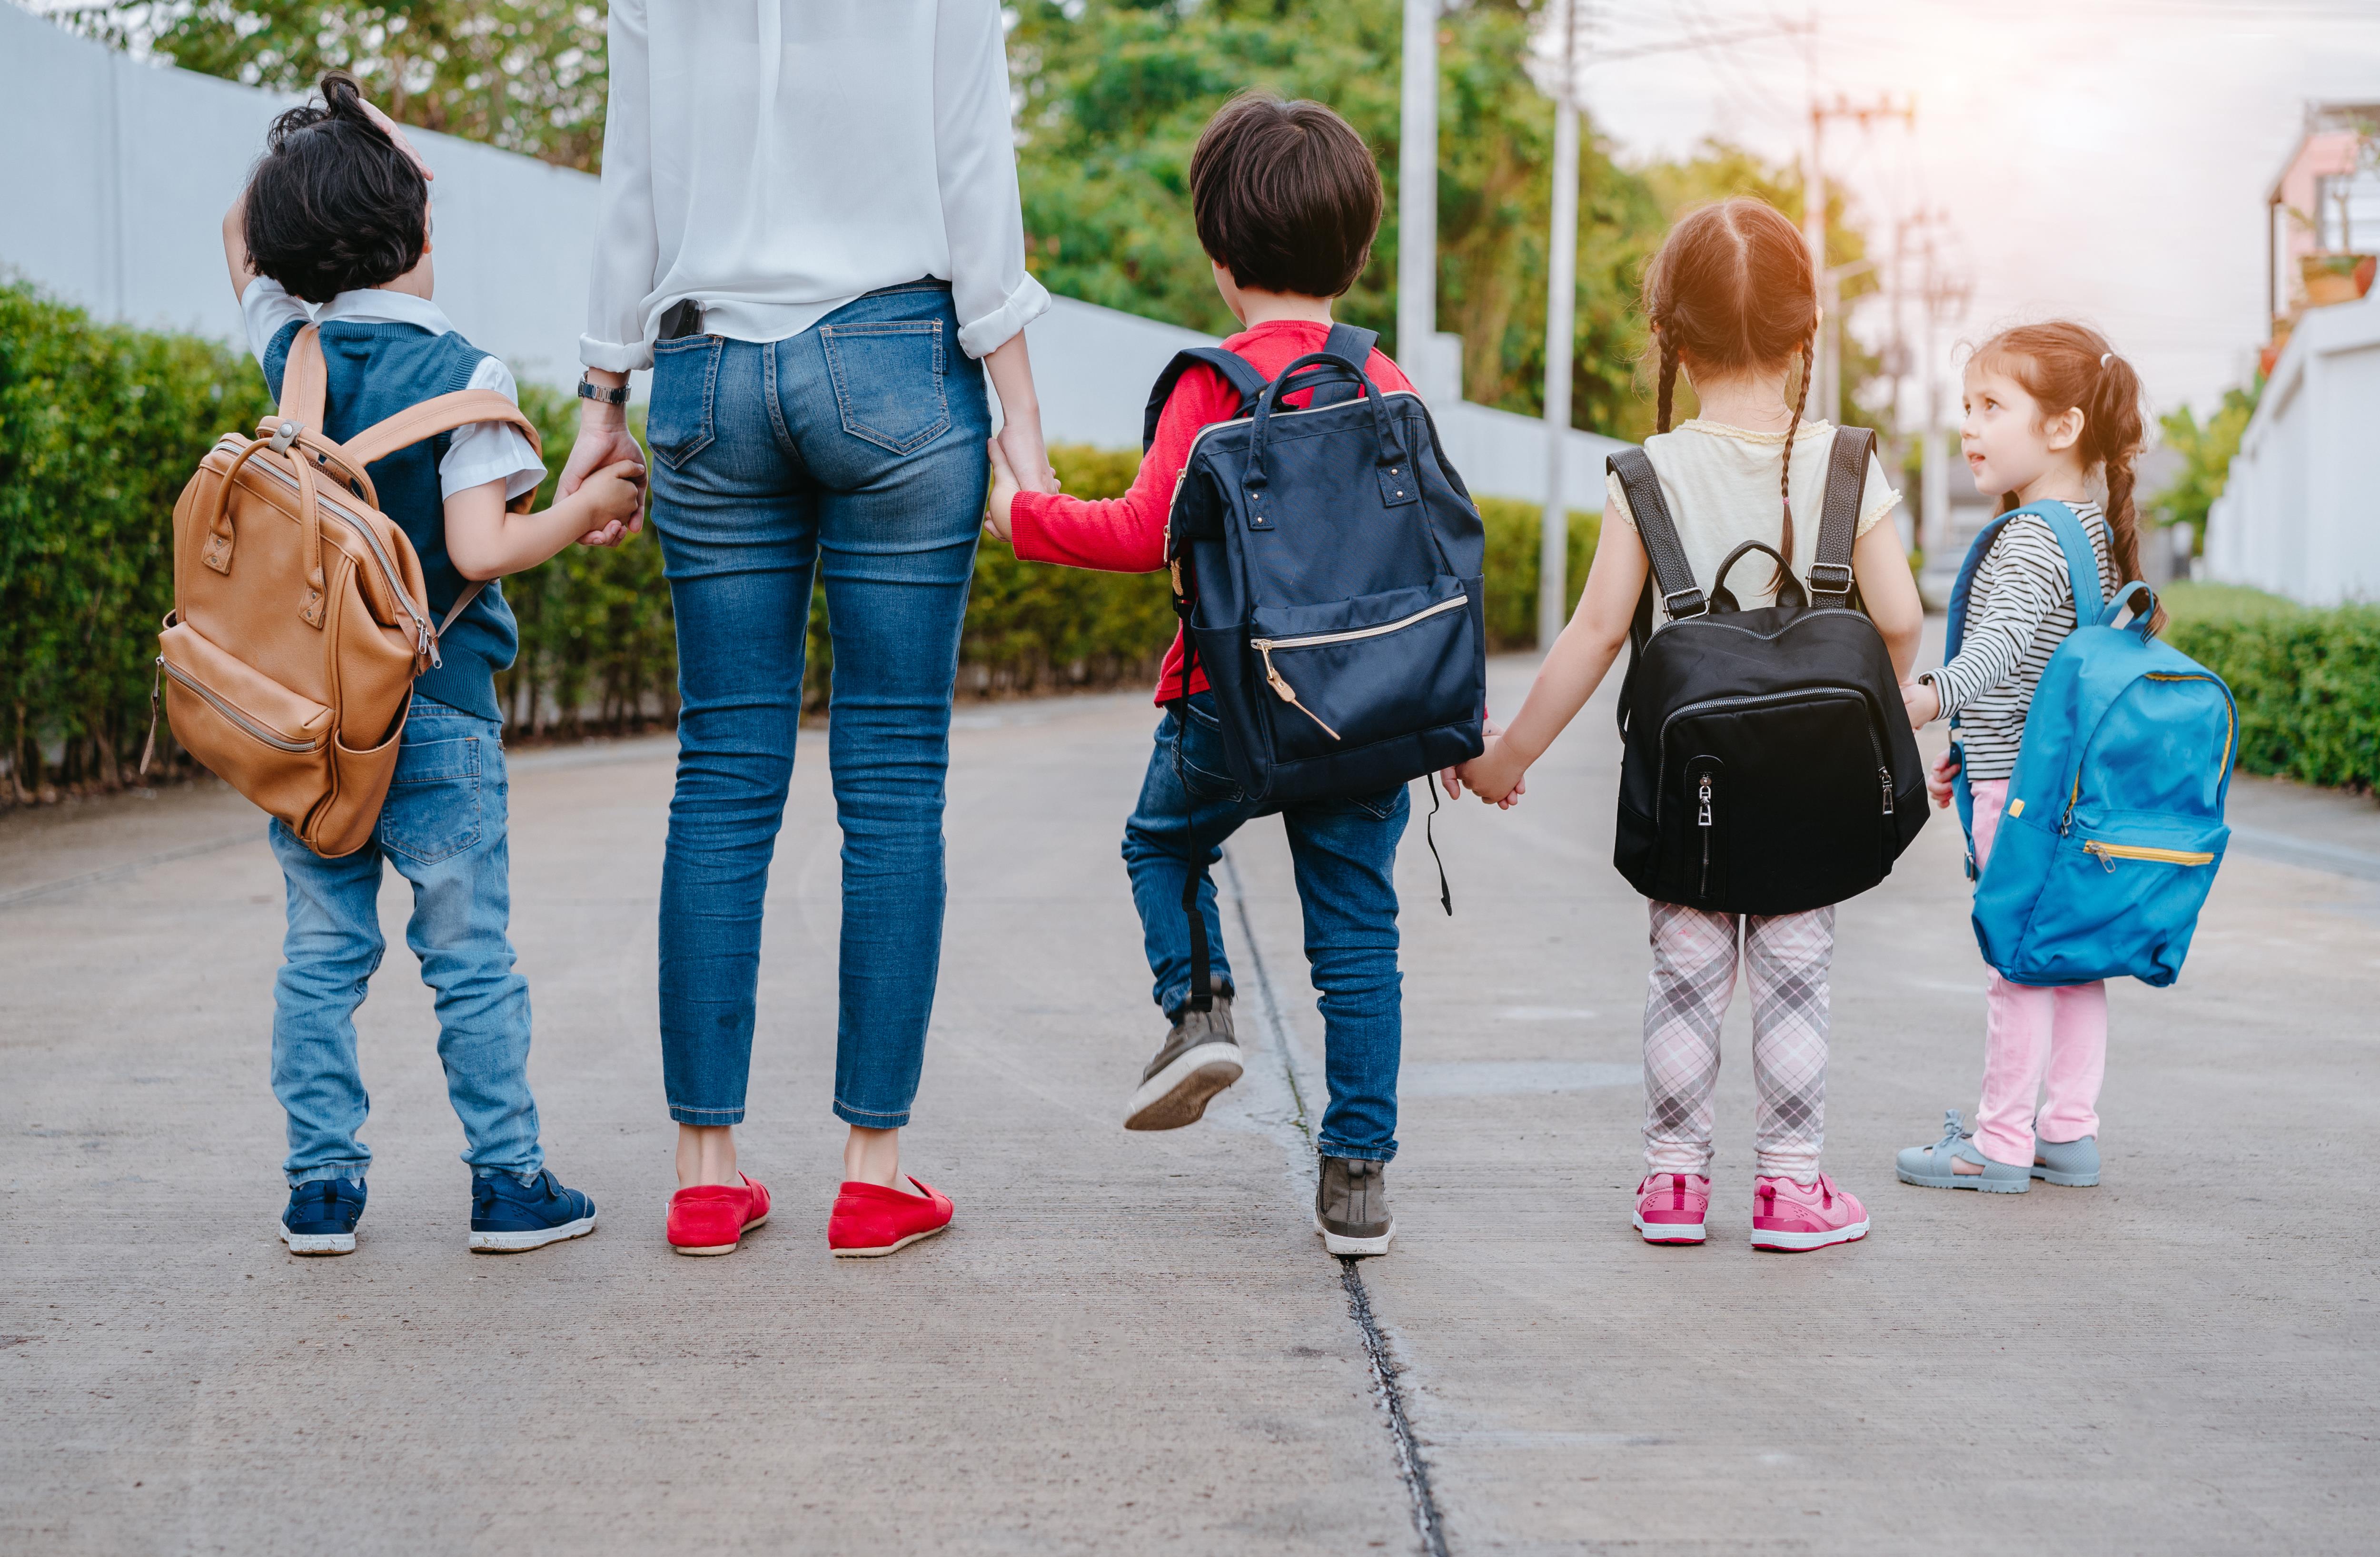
(713, 1218)
(869, 1219)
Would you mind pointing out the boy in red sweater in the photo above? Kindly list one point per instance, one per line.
(1286, 199)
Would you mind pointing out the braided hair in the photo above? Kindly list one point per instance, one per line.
(1733, 285)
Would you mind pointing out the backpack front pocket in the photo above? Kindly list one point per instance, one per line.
(249, 730)
(2122, 897)
(1345, 675)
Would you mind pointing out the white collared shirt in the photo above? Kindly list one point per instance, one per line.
(476, 454)
(772, 159)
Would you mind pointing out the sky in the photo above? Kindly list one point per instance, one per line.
(2104, 159)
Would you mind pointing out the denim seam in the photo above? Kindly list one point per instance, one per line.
(705, 1117)
(777, 427)
(351, 1171)
(895, 1121)
(1358, 1153)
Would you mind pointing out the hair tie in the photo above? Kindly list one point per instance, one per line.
(2106, 357)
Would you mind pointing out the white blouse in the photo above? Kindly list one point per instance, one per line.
(775, 159)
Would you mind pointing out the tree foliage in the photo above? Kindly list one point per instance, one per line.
(2206, 450)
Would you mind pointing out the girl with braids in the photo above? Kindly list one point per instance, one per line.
(1734, 312)
(2048, 408)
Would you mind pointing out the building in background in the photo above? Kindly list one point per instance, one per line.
(120, 170)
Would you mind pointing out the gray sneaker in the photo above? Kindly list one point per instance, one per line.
(1351, 1207)
(1931, 1167)
(1199, 1059)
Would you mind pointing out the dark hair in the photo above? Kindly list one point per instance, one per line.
(1285, 195)
(333, 205)
(1732, 285)
(2065, 365)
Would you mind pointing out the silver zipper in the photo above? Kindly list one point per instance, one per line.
(425, 638)
(280, 742)
(1288, 695)
(1703, 820)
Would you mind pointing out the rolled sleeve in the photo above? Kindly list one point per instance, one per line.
(975, 162)
(628, 244)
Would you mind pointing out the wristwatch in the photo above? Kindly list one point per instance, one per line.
(589, 390)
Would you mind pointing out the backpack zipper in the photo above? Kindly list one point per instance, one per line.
(1703, 820)
(279, 743)
(425, 639)
(2108, 853)
(1266, 647)
(1883, 768)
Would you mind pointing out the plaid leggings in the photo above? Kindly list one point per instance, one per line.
(1693, 980)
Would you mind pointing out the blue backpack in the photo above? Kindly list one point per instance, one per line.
(2114, 826)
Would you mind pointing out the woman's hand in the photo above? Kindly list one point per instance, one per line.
(603, 441)
(1020, 416)
(1004, 491)
(1939, 777)
(390, 128)
(1922, 702)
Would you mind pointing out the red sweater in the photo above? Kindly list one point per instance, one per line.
(1127, 534)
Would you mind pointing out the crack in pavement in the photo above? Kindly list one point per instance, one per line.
(1411, 1469)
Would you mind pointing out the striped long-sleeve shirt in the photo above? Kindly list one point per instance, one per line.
(2019, 609)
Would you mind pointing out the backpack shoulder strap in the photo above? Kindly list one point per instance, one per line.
(1237, 371)
(305, 381)
(1673, 575)
(439, 414)
(2081, 561)
(1350, 345)
(1830, 571)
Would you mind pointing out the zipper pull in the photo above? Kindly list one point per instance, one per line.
(2107, 861)
(1703, 819)
(1884, 775)
(149, 747)
(1283, 690)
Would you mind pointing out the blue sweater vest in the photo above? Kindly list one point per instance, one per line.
(375, 371)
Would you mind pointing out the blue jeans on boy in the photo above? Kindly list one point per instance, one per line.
(1344, 852)
(443, 828)
(851, 453)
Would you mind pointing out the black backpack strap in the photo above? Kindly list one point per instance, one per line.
(1673, 575)
(1831, 573)
(1237, 371)
(1351, 345)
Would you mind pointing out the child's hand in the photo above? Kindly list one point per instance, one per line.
(1939, 777)
(614, 496)
(1004, 488)
(1496, 775)
(1922, 700)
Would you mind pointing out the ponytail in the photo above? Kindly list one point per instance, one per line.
(1785, 477)
(1669, 380)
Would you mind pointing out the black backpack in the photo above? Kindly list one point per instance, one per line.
(1769, 766)
(1329, 571)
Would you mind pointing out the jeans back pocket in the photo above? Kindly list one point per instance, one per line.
(678, 422)
(888, 381)
(432, 811)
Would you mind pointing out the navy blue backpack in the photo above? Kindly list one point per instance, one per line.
(1329, 571)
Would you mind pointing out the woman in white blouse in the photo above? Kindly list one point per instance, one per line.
(810, 232)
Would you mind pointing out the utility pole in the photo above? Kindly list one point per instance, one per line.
(1561, 304)
(1418, 204)
(1827, 383)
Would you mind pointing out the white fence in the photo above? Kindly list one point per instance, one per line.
(2300, 515)
(117, 174)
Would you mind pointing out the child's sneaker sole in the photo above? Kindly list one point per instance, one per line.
(1802, 1243)
(2069, 1181)
(1338, 1243)
(883, 1250)
(1178, 1094)
(537, 1238)
(1671, 1232)
(316, 1243)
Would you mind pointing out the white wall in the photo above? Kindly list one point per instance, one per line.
(2301, 513)
(117, 175)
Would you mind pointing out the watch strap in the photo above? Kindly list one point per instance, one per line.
(616, 395)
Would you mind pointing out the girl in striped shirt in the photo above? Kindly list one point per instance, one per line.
(2048, 408)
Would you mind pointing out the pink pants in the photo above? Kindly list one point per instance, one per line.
(2040, 1042)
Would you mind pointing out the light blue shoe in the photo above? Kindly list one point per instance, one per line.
(1930, 1165)
(2072, 1162)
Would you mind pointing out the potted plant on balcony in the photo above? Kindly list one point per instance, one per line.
(2336, 278)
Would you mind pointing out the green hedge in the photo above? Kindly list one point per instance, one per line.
(100, 427)
(2307, 681)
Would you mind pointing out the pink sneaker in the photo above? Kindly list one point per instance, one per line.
(1795, 1217)
(1670, 1207)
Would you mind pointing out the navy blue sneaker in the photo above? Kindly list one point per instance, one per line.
(322, 1216)
(508, 1216)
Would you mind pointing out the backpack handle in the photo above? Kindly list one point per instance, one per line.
(2143, 614)
(1788, 589)
(1399, 483)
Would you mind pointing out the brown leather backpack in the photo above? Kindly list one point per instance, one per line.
(300, 617)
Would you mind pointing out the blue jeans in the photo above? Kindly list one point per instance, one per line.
(443, 828)
(852, 453)
(1344, 852)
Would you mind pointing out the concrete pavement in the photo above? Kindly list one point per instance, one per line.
(1134, 1343)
